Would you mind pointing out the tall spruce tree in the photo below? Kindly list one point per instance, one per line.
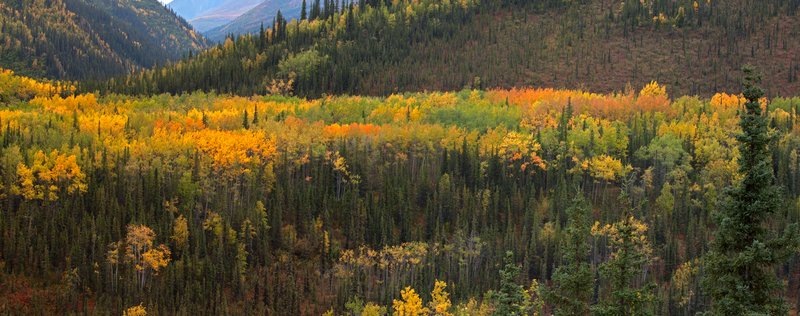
(512, 298)
(316, 10)
(571, 291)
(629, 291)
(739, 266)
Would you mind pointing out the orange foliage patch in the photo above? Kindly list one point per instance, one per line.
(540, 105)
(336, 131)
(230, 149)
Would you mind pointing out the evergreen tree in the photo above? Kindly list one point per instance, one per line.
(739, 276)
(75, 125)
(571, 290)
(562, 165)
(326, 10)
(315, 10)
(631, 252)
(262, 36)
(280, 26)
(255, 116)
(303, 11)
(511, 298)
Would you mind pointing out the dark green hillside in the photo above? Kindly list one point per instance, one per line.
(359, 49)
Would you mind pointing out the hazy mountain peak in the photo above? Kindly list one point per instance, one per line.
(251, 20)
(207, 14)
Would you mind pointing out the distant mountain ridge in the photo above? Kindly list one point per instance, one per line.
(251, 21)
(189, 9)
(208, 14)
(91, 39)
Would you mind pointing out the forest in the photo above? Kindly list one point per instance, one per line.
(380, 47)
(90, 39)
(524, 201)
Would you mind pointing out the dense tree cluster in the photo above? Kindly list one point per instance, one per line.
(15, 88)
(474, 202)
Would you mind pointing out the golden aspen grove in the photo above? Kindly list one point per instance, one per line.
(403, 157)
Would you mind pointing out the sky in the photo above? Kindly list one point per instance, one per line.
(165, 1)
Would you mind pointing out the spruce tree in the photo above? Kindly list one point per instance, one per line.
(739, 266)
(571, 290)
(511, 298)
(629, 292)
(280, 26)
(316, 10)
(255, 116)
(75, 125)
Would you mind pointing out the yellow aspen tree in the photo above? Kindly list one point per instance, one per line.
(213, 223)
(440, 300)
(409, 305)
(157, 258)
(140, 252)
(47, 174)
(137, 310)
(180, 232)
(653, 89)
(138, 240)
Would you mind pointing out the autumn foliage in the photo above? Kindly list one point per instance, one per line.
(364, 205)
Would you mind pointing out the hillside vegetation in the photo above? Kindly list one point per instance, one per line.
(90, 39)
(406, 158)
(435, 45)
(501, 200)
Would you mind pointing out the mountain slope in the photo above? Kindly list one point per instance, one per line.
(426, 45)
(251, 21)
(227, 12)
(85, 39)
(208, 14)
(189, 9)
(699, 52)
